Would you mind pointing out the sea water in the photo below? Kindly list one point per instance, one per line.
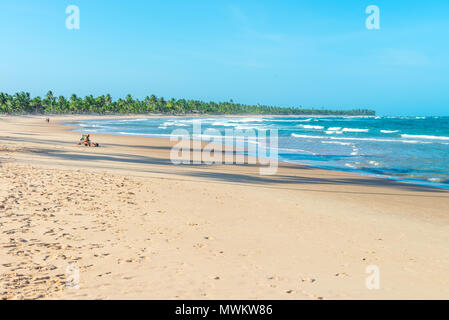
(409, 149)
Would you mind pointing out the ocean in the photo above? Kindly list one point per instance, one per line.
(408, 149)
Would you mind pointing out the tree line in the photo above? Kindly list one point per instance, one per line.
(23, 103)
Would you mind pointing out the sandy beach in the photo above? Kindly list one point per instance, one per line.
(132, 225)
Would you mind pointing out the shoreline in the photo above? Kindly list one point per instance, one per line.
(357, 172)
(138, 227)
(193, 115)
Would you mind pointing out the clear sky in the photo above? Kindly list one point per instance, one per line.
(285, 53)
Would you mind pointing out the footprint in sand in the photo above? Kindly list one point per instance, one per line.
(341, 274)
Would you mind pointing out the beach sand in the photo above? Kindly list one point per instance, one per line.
(131, 225)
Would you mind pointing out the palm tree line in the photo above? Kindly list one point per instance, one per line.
(23, 103)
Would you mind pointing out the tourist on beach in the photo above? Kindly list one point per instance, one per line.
(85, 139)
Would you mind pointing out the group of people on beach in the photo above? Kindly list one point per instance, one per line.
(85, 140)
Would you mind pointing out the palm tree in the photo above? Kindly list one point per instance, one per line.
(108, 99)
(5, 102)
(36, 105)
(21, 102)
(49, 102)
(62, 105)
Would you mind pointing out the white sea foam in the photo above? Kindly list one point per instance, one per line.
(389, 131)
(244, 120)
(334, 130)
(148, 134)
(131, 120)
(424, 137)
(374, 163)
(87, 125)
(223, 124)
(287, 120)
(366, 139)
(206, 136)
(337, 142)
(354, 130)
(297, 150)
(306, 126)
(358, 139)
(174, 123)
(305, 136)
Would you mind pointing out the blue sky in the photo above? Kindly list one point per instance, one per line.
(285, 53)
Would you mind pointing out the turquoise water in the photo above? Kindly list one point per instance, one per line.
(411, 149)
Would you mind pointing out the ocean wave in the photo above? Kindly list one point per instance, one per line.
(334, 130)
(415, 141)
(131, 120)
(337, 142)
(244, 120)
(306, 126)
(374, 163)
(89, 125)
(306, 136)
(174, 123)
(389, 131)
(356, 139)
(355, 151)
(147, 134)
(287, 120)
(354, 130)
(413, 136)
(297, 150)
(368, 139)
(223, 124)
(249, 127)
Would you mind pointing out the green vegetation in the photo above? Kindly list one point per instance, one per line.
(22, 103)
